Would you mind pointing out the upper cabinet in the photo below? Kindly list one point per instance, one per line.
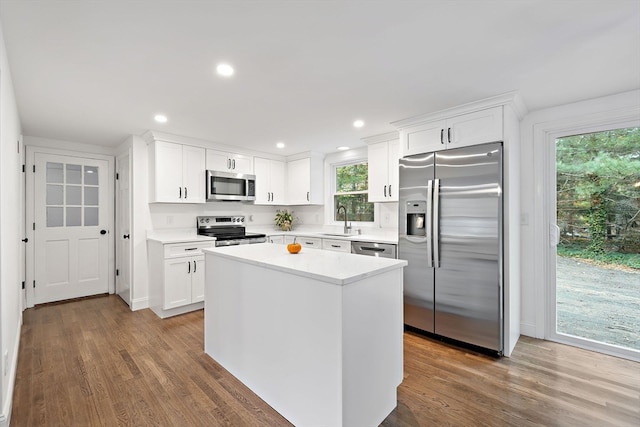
(229, 162)
(459, 130)
(270, 181)
(383, 152)
(177, 173)
(305, 181)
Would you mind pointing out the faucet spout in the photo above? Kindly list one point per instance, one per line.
(347, 228)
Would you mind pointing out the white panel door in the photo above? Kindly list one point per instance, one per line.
(70, 237)
(123, 229)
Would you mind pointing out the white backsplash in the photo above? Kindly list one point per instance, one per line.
(180, 216)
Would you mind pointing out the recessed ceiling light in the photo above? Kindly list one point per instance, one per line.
(160, 118)
(225, 70)
(342, 148)
(280, 145)
(358, 123)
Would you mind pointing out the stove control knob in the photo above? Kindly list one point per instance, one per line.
(207, 220)
(241, 219)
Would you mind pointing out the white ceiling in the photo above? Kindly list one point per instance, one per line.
(96, 72)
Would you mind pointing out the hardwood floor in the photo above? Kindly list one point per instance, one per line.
(95, 363)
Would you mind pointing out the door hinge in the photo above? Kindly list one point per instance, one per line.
(34, 283)
(34, 225)
(117, 175)
(23, 284)
(34, 168)
(117, 272)
(24, 168)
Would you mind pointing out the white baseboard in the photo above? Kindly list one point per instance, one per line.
(528, 329)
(139, 304)
(5, 416)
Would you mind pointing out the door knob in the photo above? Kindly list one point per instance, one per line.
(126, 236)
(25, 240)
(103, 231)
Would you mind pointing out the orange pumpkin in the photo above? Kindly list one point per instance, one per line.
(294, 247)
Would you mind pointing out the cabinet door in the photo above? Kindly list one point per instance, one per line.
(310, 242)
(167, 177)
(276, 239)
(193, 174)
(241, 163)
(475, 128)
(392, 162)
(378, 172)
(177, 282)
(263, 186)
(299, 182)
(197, 279)
(278, 182)
(336, 245)
(423, 138)
(218, 161)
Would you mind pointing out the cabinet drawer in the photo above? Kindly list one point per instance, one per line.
(174, 250)
(311, 242)
(336, 245)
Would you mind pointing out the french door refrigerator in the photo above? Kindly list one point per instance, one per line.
(450, 232)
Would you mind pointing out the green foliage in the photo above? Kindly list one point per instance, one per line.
(284, 219)
(611, 258)
(352, 183)
(351, 178)
(598, 189)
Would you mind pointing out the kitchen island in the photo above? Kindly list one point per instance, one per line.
(317, 335)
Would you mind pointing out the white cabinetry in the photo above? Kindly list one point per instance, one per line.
(460, 130)
(310, 242)
(276, 239)
(177, 173)
(176, 277)
(270, 181)
(229, 162)
(336, 245)
(305, 181)
(383, 168)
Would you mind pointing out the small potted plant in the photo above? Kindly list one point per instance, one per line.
(284, 220)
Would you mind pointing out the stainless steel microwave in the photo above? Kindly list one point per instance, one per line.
(228, 186)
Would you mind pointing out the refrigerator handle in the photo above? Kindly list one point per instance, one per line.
(436, 223)
(427, 224)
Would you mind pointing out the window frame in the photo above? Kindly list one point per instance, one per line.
(334, 161)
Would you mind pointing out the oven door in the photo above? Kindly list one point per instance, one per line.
(227, 186)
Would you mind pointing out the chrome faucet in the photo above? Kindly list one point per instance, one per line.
(347, 228)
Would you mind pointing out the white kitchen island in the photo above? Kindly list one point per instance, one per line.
(317, 335)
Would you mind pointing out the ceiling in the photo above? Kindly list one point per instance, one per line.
(96, 72)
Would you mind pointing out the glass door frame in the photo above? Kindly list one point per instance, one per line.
(552, 236)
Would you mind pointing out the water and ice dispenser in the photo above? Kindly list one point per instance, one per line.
(416, 217)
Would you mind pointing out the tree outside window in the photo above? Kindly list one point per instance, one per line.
(352, 192)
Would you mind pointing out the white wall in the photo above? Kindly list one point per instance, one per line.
(537, 166)
(10, 235)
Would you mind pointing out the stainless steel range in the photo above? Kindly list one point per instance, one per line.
(228, 230)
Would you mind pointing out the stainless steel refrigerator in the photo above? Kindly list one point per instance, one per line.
(450, 232)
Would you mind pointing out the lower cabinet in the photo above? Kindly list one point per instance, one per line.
(276, 239)
(176, 277)
(336, 245)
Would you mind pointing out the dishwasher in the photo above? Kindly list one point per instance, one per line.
(383, 250)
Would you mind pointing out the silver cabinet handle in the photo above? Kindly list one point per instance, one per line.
(428, 223)
(194, 266)
(448, 134)
(436, 223)
(389, 190)
(307, 196)
(179, 192)
(234, 164)
(385, 191)
(228, 163)
(308, 243)
(185, 193)
(189, 268)
(441, 136)
(336, 246)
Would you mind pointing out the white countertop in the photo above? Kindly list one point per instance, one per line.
(328, 266)
(177, 236)
(390, 236)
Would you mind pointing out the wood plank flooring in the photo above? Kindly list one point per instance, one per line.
(95, 363)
